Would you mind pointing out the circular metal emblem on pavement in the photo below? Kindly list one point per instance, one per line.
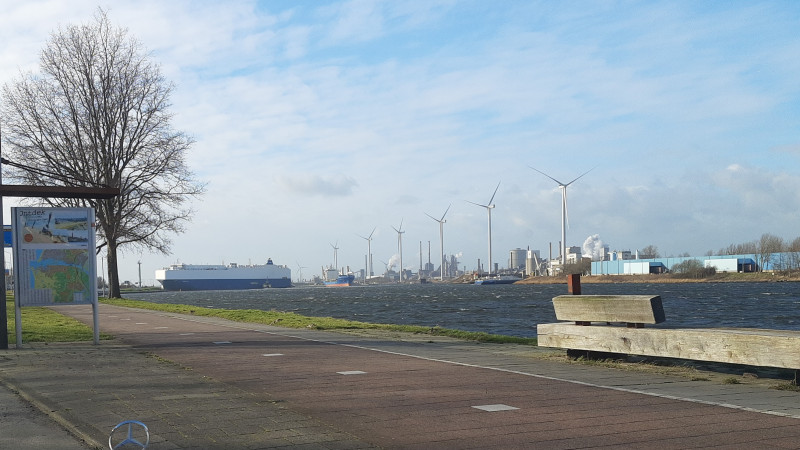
(136, 433)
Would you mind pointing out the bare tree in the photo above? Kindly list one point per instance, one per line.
(740, 249)
(97, 115)
(793, 254)
(649, 252)
(768, 245)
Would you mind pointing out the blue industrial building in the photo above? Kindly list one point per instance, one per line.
(726, 263)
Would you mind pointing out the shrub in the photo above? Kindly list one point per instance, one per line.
(692, 268)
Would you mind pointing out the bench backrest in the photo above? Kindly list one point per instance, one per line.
(609, 308)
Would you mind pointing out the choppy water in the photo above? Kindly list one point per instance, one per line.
(512, 310)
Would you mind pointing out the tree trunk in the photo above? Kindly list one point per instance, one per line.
(113, 273)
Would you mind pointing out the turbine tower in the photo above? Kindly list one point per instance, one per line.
(400, 246)
(489, 206)
(335, 255)
(441, 240)
(369, 252)
(563, 187)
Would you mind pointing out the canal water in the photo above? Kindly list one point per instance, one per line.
(512, 310)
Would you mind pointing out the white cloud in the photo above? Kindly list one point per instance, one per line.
(690, 112)
(326, 186)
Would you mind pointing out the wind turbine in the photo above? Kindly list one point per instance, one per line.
(400, 246)
(563, 187)
(441, 240)
(489, 206)
(385, 269)
(369, 251)
(335, 255)
(300, 272)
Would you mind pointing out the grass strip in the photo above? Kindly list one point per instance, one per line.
(292, 320)
(40, 324)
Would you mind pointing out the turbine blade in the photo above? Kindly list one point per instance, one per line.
(584, 173)
(445, 212)
(373, 232)
(434, 218)
(477, 204)
(548, 176)
(495, 193)
(566, 210)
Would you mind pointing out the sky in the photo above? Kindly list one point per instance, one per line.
(316, 122)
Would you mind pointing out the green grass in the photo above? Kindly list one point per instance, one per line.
(40, 324)
(292, 320)
(43, 325)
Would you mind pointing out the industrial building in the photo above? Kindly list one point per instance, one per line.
(726, 263)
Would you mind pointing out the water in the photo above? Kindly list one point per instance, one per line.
(512, 310)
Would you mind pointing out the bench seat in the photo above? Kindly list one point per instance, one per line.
(592, 330)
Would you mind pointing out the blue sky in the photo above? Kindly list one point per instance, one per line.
(316, 122)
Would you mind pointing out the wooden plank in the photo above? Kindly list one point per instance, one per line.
(750, 346)
(609, 308)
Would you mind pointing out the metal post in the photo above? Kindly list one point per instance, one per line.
(3, 308)
(96, 321)
(18, 320)
(574, 284)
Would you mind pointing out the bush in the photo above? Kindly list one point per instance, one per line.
(692, 268)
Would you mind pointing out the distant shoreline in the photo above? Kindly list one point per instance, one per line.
(757, 277)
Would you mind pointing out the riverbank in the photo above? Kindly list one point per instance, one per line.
(756, 277)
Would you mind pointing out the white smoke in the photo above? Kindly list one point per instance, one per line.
(593, 247)
(393, 261)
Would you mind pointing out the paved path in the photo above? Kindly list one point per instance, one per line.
(210, 383)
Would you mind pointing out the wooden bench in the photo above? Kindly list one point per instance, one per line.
(596, 327)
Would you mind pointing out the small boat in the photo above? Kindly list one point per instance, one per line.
(504, 279)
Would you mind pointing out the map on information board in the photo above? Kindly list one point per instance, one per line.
(54, 256)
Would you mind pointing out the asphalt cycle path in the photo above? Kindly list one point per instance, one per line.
(221, 384)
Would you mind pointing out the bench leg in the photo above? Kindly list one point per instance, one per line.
(796, 376)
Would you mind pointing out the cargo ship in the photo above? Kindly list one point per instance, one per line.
(341, 280)
(334, 278)
(193, 277)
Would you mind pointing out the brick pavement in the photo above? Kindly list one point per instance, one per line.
(231, 385)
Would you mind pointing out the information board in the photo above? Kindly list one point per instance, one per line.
(54, 256)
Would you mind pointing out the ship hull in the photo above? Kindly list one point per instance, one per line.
(219, 285)
(497, 281)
